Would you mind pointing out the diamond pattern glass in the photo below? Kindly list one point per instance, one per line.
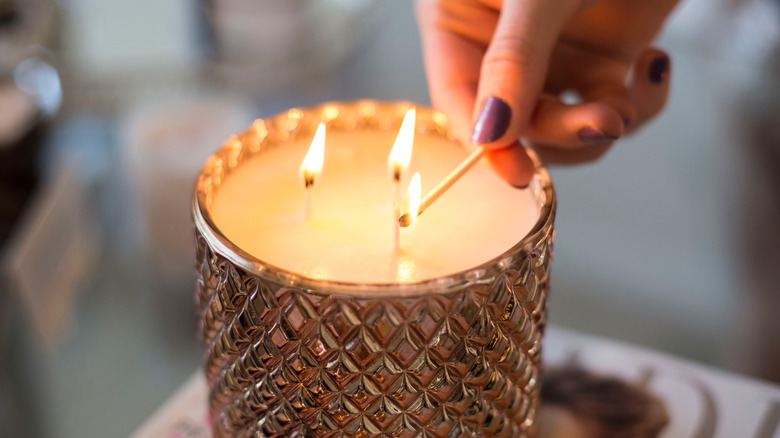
(290, 356)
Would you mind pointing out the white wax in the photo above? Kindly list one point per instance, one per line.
(349, 236)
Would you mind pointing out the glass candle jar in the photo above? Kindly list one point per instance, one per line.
(291, 355)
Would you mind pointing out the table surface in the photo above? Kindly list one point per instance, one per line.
(702, 402)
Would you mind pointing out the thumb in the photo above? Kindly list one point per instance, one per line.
(515, 66)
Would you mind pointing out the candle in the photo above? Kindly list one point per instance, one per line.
(349, 235)
(401, 154)
(311, 168)
(442, 337)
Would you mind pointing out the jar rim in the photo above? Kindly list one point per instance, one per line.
(346, 115)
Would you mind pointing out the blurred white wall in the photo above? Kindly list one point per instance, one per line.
(111, 36)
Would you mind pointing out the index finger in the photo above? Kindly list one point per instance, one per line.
(452, 64)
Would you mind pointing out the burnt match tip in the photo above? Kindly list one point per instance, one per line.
(405, 220)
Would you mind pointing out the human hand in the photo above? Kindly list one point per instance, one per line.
(515, 57)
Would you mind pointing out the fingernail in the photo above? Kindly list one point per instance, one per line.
(658, 70)
(626, 123)
(594, 135)
(492, 122)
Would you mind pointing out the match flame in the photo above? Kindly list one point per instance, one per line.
(311, 168)
(415, 189)
(401, 154)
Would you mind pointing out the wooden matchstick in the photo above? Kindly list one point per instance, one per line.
(444, 185)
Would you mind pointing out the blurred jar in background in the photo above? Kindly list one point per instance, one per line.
(164, 144)
(758, 336)
(30, 96)
(19, 145)
(264, 46)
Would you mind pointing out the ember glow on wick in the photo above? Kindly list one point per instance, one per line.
(311, 168)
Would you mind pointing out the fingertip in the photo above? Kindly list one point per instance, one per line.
(587, 154)
(652, 67)
(590, 134)
(650, 84)
(658, 72)
(570, 126)
(512, 164)
(492, 121)
(514, 66)
(648, 56)
(620, 113)
(604, 117)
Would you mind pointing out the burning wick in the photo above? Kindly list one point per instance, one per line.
(401, 154)
(311, 167)
(408, 218)
(397, 164)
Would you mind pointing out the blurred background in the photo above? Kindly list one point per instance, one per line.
(108, 109)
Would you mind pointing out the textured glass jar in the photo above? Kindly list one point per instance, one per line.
(288, 355)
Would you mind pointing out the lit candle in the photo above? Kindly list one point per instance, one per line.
(401, 154)
(398, 163)
(311, 168)
(349, 238)
(326, 303)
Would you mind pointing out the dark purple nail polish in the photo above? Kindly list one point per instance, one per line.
(492, 122)
(594, 135)
(658, 70)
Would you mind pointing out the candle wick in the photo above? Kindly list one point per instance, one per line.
(396, 209)
(307, 203)
(396, 229)
(308, 179)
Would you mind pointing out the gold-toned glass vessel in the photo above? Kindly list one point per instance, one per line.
(288, 355)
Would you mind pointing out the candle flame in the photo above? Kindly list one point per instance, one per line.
(401, 154)
(415, 191)
(311, 167)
